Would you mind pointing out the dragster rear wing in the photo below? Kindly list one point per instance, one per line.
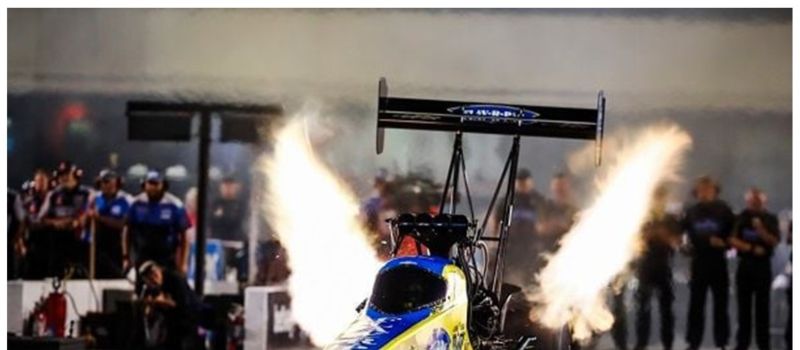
(489, 118)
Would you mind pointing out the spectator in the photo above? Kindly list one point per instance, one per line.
(32, 239)
(661, 234)
(754, 237)
(373, 205)
(273, 264)
(523, 251)
(63, 214)
(372, 214)
(523, 246)
(556, 218)
(156, 227)
(190, 203)
(14, 219)
(708, 224)
(619, 329)
(228, 213)
(788, 332)
(108, 210)
(170, 307)
(558, 214)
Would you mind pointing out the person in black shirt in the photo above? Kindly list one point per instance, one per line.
(167, 297)
(14, 219)
(523, 252)
(63, 215)
(787, 336)
(524, 248)
(558, 213)
(228, 212)
(32, 237)
(661, 234)
(708, 224)
(552, 218)
(754, 237)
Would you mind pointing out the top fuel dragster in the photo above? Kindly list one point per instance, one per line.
(442, 297)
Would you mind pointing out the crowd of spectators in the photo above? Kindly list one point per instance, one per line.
(59, 227)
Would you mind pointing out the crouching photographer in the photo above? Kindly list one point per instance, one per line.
(171, 310)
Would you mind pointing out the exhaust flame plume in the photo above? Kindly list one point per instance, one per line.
(316, 218)
(605, 239)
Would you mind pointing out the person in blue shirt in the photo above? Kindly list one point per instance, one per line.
(156, 227)
(107, 212)
(371, 210)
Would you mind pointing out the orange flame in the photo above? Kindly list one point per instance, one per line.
(316, 218)
(572, 287)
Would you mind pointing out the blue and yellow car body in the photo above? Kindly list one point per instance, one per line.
(418, 302)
